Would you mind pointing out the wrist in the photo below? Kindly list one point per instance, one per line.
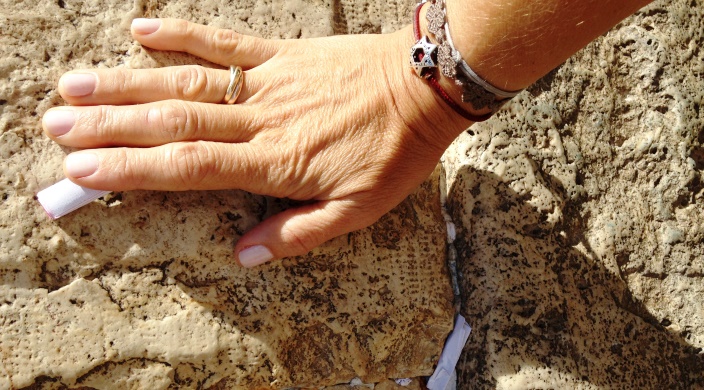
(481, 45)
(434, 56)
(419, 106)
(513, 43)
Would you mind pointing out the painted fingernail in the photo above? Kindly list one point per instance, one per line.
(58, 122)
(145, 26)
(78, 84)
(81, 164)
(254, 256)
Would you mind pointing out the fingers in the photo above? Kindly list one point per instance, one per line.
(173, 167)
(133, 86)
(150, 124)
(221, 46)
(296, 231)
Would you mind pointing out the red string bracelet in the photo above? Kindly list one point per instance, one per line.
(427, 70)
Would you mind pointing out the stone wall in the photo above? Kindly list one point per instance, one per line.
(140, 289)
(579, 215)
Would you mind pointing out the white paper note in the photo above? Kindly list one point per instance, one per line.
(440, 380)
(65, 197)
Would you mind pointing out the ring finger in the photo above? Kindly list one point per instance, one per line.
(134, 86)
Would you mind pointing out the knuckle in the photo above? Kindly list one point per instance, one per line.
(126, 168)
(191, 163)
(177, 121)
(102, 124)
(283, 169)
(190, 83)
(300, 242)
(122, 82)
(291, 163)
(182, 27)
(225, 41)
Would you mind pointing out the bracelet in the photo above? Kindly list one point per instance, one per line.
(424, 59)
(475, 90)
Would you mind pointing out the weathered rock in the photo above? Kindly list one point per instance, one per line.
(580, 212)
(139, 290)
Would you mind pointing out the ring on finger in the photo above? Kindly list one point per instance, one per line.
(235, 86)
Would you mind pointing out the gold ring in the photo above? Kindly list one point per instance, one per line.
(235, 87)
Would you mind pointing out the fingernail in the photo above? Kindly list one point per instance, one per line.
(145, 26)
(58, 122)
(81, 164)
(254, 256)
(78, 84)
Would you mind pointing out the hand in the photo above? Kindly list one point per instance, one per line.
(342, 121)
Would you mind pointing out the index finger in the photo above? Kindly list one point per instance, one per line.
(221, 46)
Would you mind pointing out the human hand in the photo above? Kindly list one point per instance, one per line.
(341, 121)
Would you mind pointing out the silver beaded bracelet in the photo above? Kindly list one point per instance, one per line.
(475, 90)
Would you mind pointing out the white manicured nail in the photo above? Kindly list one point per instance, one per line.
(254, 256)
(145, 26)
(81, 164)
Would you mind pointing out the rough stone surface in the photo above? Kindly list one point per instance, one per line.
(579, 212)
(139, 290)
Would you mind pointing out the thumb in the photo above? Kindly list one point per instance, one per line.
(296, 231)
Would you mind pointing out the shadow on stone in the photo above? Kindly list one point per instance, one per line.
(545, 312)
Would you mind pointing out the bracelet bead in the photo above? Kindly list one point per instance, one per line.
(423, 59)
(475, 90)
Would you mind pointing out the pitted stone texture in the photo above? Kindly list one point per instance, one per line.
(580, 217)
(139, 290)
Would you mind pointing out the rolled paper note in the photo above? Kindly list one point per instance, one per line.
(442, 378)
(65, 197)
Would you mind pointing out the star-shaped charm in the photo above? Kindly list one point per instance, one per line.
(424, 57)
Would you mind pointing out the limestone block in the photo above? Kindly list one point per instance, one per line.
(579, 216)
(139, 290)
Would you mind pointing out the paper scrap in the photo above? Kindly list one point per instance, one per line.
(441, 378)
(65, 197)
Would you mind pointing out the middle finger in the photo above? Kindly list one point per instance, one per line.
(149, 124)
(133, 86)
